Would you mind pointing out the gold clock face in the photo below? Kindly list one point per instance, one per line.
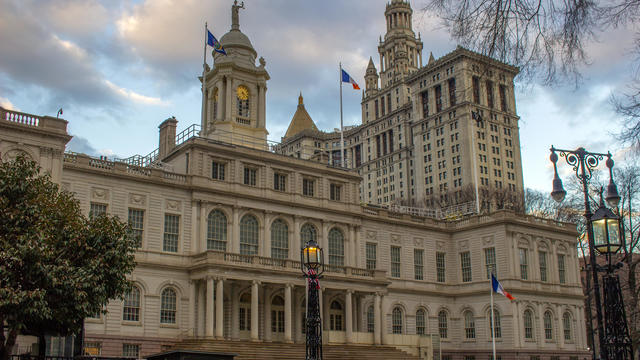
(243, 93)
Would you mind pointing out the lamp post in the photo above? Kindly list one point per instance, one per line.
(312, 266)
(583, 163)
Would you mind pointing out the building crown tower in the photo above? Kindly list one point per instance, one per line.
(400, 52)
(236, 91)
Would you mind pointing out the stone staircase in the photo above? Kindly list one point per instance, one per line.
(248, 350)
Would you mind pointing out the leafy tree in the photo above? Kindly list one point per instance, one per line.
(547, 39)
(57, 267)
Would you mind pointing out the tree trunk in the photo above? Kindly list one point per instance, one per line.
(42, 346)
(7, 345)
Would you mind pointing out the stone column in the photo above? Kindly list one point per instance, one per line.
(348, 304)
(560, 327)
(228, 97)
(192, 307)
(220, 308)
(287, 313)
(267, 314)
(377, 320)
(201, 313)
(352, 247)
(263, 100)
(209, 312)
(295, 238)
(254, 311)
(235, 231)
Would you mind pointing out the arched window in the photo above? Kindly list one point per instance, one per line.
(249, 235)
(336, 247)
(217, 231)
(396, 319)
(168, 306)
(370, 319)
(242, 94)
(335, 316)
(566, 324)
(443, 325)
(420, 322)
(469, 325)
(528, 324)
(548, 325)
(131, 308)
(307, 233)
(279, 240)
(496, 322)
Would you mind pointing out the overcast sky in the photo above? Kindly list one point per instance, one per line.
(120, 67)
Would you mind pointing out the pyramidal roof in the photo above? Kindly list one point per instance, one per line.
(300, 121)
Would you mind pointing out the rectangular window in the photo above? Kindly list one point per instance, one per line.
(503, 98)
(382, 105)
(418, 264)
(377, 112)
(171, 232)
(136, 220)
(440, 267)
(250, 176)
(490, 261)
(476, 90)
(217, 170)
(131, 351)
(561, 269)
(96, 209)
(425, 104)
(335, 192)
(378, 145)
(542, 257)
(93, 348)
(395, 261)
(489, 85)
(452, 91)
(307, 187)
(389, 102)
(279, 182)
(465, 264)
(371, 254)
(438, 95)
(524, 264)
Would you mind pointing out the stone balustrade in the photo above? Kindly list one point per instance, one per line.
(30, 120)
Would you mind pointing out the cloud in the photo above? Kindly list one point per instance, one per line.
(5, 103)
(134, 96)
(81, 145)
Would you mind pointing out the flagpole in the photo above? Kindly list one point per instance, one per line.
(493, 324)
(204, 79)
(341, 126)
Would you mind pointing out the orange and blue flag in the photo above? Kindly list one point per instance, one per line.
(215, 44)
(348, 79)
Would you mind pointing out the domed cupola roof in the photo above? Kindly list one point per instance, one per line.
(235, 42)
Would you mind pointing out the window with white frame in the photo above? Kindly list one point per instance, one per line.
(469, 325)
(542, 259)
(97, 209)
(561, 269)
(418, 264)
(396, 320)
(370, 319)
(217, 170)
(136, 220)
(421, 322)
(465, 265)
(279, 181)
(548, 325)
(249, 235)
(528, 324)
(371, 255)
(566, 325)
(490, 261)
(279, 240)
(171, 232)
(168, 306)
(336, 247)
(131, 305)
(395, 261)
(217, 231)
(524, 264)
(443, 324)
(131, 351)
(440, 267)
(496, 323)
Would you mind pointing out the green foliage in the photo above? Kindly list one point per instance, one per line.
(57, 267)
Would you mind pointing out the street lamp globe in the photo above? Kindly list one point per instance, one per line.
(311, 256)
(613, 199)
(606, 231)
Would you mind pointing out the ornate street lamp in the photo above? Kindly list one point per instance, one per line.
(312, 266)
(603, 234)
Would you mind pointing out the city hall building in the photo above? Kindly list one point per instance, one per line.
(222, 215)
